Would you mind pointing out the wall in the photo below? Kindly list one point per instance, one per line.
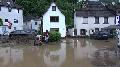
(36, 27)
(1, 30)
(61, 24)
(91, 26)
(4, 14)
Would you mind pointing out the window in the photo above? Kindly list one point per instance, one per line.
(18, 10)
(54, 18)
(53, 8)
(6, 20)
(9, 9)
(85, 20)
(96, 20)
(35, 23)
(105, 20)
(0, 8)
(54, 29)
(15, 21)
(96, 29)
(14, 28)
(92, 30)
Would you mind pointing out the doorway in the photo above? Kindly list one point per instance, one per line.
(75, 32)
(83, 31)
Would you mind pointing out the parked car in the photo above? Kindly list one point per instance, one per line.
(100, 35)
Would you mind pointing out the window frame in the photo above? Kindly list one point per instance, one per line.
(97, 20)
(54, 18)
(84, 20)
(0, 8)
(15, 20)
(6, 20)
(36, 23)
(9, 9)
(54, 29)
(97, 29)
(105, 20)
(53, 8)
(15, 28)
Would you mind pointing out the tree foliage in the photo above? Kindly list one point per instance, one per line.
(38, 7)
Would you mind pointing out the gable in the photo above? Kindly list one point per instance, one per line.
(53, 11)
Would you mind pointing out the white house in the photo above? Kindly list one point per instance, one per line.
(53, 19)
(11, 15)
(31, 22)
(93, 17)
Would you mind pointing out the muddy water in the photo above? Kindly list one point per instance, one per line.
(67, 53)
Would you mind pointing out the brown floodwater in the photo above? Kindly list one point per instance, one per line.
(69, 52)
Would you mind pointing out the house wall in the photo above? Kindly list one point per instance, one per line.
(36, 27)
(31, 25)
(61, 24)
(78, 23)
(71, 32)
(4, 14)
(3, 29)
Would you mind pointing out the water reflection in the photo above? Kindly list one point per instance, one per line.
(10, 55)
(55, 58)
(83, 49)
(68, 53)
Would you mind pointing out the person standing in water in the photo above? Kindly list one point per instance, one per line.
(46, 36)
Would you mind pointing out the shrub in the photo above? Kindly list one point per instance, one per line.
(54, 36)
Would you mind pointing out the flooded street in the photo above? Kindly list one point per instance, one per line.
(67, 53)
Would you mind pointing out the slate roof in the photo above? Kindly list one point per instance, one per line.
(12, 4)
(29, 18)
(94, 8)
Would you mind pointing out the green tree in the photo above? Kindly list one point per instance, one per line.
(38, 7)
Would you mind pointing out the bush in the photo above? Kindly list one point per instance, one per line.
(54, 36)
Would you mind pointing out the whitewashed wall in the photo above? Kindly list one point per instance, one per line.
(78, 23)
(4, 14)
(61, 24)
(36, 27)
(31, 25)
